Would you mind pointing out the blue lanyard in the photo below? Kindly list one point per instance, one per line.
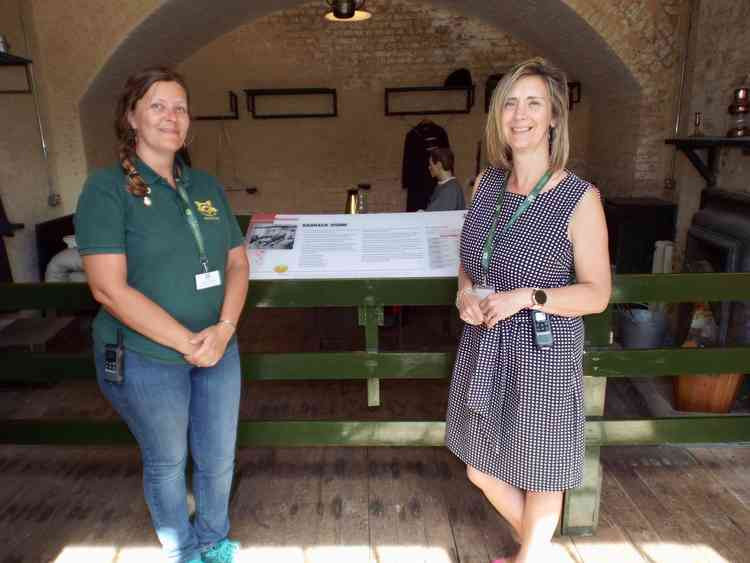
(489, 242)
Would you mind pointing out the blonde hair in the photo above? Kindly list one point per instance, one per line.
(498, 151)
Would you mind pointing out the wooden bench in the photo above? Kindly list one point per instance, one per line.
(580, 511)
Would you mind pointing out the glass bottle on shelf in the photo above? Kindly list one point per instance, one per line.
(698, 125)
(352, 206)
(362, 190)
(739, 114)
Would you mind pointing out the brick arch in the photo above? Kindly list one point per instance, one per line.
(592, 39)
(641, 33)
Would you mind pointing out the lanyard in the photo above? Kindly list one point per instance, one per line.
(194, 227)
(489, 242)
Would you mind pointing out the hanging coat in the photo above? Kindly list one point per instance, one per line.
(415, 177)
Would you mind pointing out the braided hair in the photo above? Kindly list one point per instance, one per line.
(135, 88)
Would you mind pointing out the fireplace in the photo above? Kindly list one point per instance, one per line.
(719, 241)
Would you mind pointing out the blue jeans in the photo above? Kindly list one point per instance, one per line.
(167, 406)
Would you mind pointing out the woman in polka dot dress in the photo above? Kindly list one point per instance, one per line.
(515, 413)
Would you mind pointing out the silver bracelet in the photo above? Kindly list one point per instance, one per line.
(230, 323)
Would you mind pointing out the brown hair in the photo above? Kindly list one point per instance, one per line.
(444, 156)
(499, 153)
(135, 88)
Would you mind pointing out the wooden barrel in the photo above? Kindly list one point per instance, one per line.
(707, 393)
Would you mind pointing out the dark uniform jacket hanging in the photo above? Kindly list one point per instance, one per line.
(415, 177)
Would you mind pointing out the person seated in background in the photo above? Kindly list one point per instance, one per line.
(448, 195)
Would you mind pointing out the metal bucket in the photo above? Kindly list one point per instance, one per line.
(642, 328)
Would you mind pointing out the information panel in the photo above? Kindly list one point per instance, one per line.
(375, 245)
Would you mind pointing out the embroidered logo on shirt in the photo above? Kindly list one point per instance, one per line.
(207, 209)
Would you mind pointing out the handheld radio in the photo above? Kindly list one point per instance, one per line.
(114, 360)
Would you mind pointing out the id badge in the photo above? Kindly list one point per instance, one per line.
(208, 279)
(482, 291)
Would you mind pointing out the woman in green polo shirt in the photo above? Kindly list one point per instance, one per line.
(166, 259)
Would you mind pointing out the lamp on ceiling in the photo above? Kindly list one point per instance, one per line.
(347, 11)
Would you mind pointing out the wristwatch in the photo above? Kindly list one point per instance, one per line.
(538, 297)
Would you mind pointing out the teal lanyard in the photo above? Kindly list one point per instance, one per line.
(194, 227)
(489, 243)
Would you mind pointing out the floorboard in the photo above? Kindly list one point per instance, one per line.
(343, 526)
(376, 505)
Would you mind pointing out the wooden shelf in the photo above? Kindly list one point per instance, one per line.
(708, 169)
(706, 142)
(233, 114)
(6, 59)
(251, 96)
(466, 108)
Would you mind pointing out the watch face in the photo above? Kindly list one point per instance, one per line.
(540, 297)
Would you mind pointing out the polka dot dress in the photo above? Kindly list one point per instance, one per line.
(514, 411)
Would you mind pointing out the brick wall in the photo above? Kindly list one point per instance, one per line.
(306, 165)
(617, 135)
(719, 63)
(628, 156)
(23, 174)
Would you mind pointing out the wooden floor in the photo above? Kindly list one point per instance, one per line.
(659, 504)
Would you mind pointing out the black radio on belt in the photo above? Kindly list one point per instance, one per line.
(540, 322)
(114, 365)
(542, 330)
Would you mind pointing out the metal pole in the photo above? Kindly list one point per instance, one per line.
(670, 181)
(53, 198)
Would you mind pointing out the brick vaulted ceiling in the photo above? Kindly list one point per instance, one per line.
(577, 34)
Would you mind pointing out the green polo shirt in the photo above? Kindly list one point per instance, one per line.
(161, 251)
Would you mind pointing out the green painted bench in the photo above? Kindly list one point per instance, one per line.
(580, 512)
